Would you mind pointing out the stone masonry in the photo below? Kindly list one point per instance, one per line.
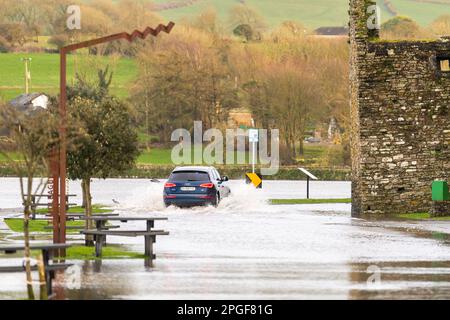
(400, 100)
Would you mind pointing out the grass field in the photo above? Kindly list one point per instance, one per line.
(424, 11)
(311, 13)
(164, 155)
(308, 201)
(45, 72)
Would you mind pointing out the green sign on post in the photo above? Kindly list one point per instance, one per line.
(439, 191)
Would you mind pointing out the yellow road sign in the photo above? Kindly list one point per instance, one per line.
(255, 179)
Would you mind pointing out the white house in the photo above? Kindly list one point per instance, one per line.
(30, 102)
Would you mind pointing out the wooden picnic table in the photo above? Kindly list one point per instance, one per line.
(149, 234)
(48, 252)
(101, 220)
(82, 215)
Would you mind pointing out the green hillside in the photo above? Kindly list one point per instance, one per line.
(312, 13)
(45, 72)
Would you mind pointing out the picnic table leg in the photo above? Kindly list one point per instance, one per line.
(98, 245)
(149, 251)
(150, 225)
(49, 275)
(103, 227)
(33, 208)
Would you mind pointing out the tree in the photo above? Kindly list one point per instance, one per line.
(32, 15)
(33, 135)
(14, 33)
(401, 27)
(289, 31)
(441, 26)
(59, 40)
(186, 79)
(245, 31)
(108, 146)
(56, 16)
(242, 14)
(208, 22)
(294, 83)
(4, 45)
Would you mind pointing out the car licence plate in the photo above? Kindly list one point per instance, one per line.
(187, 188)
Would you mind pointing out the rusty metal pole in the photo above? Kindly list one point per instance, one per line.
(62, 147)
(63, 112)
(54, 193)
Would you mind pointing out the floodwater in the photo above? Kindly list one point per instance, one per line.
(248, 249)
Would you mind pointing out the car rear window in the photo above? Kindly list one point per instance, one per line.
(189, 176)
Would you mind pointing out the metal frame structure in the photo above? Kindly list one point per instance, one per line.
(59, 159)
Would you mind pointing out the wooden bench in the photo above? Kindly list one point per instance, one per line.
(149, 239)
(48, 252)
(35, 203)
(149, 234)
(50, 227)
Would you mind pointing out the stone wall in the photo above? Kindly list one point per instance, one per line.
(440, 209)
(400, 119)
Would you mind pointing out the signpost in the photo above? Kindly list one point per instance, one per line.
(309, 176)
(256, 179)
(253, 138)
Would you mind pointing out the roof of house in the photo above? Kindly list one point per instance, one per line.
(332, 31)
(24, 99)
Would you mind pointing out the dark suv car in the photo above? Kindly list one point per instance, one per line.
(195, 186)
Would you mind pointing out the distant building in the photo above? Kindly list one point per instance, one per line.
(30, 102)
(240, 117)
(334, 131)
(332, 31)
(27, 103)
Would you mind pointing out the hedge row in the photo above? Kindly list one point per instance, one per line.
(233, 172)
(238, 172)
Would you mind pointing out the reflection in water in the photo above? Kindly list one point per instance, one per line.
(402, 280)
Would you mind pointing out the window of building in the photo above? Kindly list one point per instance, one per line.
(444, 64)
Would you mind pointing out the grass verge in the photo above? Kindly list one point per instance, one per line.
(108, 252)
(308, 201)
(96, 208)
(16, 225)
(420, 216)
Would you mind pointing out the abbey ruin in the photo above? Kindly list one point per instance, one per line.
(400, 96)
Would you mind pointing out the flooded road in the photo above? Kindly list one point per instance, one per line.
(248, 249)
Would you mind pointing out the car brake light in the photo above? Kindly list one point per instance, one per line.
(207, 185)
(169, 185)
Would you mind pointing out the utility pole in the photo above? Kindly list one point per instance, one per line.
(27, 62)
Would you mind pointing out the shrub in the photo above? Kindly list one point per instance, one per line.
(13, 33)
(4, 46)
(59, 40)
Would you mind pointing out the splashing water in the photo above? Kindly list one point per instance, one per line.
(243, 198)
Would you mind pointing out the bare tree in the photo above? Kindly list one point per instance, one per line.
(31, 133)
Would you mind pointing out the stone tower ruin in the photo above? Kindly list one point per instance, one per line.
(400, 97)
